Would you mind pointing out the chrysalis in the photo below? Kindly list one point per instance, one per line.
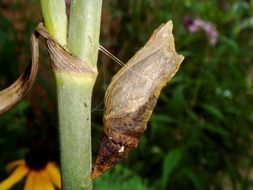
(132, 95)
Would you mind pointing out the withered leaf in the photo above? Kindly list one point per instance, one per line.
(61, 60)
(132, 95)
(11, 95)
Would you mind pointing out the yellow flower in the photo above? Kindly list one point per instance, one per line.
(43, 175)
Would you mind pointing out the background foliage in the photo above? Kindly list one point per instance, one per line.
(200, 134)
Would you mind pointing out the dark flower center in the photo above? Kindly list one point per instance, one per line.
(36, 159)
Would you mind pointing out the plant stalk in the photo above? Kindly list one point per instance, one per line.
(74, 96)
(55, 19)
(74, 90)
(74, 103)
(84, 29)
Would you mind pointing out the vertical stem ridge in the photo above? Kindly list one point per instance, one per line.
(84, 29)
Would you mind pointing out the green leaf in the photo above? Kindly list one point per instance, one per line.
(214, 111)
(194, 179)
(171, 161)
(161, 118)
(120, 178)
(217, 129)
(229, 42)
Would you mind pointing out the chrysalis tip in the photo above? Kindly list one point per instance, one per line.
(110, 153)
(114, 146)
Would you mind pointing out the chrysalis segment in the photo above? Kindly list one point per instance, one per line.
(132, 95)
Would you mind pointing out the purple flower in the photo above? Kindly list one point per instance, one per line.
(198, 24)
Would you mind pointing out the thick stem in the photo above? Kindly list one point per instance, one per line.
(74, 103)
(84, 29)
(74, 96)
(75, 89)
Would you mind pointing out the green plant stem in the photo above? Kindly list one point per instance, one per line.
(84, 29)
(55, 19)
(74, 103)
(74, 96)
(74, 90)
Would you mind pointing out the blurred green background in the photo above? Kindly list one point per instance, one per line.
(200, 134)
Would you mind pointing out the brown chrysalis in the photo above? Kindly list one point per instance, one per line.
(132, 95)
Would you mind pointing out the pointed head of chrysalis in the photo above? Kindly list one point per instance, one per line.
(132, 95)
